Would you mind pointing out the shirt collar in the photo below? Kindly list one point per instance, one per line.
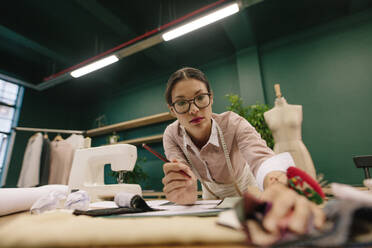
(213, 139)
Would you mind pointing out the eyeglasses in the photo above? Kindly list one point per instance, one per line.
(201, 101)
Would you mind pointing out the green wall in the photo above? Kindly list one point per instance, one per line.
(327, 70)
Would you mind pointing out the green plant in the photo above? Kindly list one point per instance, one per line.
(135, 176)
(254, 114)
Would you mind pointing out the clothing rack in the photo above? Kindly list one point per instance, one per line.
(29, 129)
(46, 130)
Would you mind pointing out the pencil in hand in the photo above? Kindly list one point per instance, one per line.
(164, 159)
(155, 153)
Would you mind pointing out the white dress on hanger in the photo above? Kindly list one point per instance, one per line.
(30, 171)
(76, 141)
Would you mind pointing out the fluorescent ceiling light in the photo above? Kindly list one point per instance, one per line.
(201, 22)
(94, 66)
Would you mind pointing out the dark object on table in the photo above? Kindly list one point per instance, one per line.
(364, 162)
(127, 204)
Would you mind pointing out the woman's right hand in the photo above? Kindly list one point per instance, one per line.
(179, 183)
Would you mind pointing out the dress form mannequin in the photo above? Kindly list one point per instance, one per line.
(284, 121)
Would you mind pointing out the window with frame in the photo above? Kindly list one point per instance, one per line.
(9, 96)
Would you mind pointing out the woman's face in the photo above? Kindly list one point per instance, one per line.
(197, 120)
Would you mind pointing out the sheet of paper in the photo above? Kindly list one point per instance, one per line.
(198, 205)
(208, 202)
(229, 219)
(178, 210)
(212, 203)
(155, 203)
(229, 202)
(204, 207)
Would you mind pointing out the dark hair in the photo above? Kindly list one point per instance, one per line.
(181, 74)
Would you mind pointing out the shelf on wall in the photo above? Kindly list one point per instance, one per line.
(148, 120)
(148, 139)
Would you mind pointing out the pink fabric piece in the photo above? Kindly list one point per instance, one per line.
(61, 155)
(243, 142)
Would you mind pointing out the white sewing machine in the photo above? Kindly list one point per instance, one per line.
(87, 172)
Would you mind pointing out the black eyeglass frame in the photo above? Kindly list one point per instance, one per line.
(193, 101)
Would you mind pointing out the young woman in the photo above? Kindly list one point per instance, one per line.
(223, 151)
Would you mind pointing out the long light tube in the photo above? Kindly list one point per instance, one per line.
(94, 66)
(201, 22)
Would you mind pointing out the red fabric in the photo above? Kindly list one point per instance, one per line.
(293, 171)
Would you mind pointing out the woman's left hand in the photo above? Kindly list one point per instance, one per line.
(290, 210)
